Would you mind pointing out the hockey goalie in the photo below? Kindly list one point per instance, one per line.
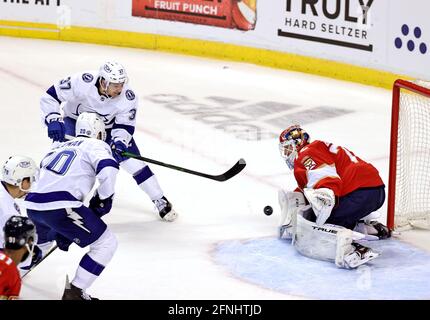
(334, 204)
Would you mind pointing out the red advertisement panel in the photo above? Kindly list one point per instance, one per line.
(239, 14)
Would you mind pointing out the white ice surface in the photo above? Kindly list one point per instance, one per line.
(158, 260)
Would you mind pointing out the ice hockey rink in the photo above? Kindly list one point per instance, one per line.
(205, 115)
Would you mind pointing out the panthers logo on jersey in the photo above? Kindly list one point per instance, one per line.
(308, 163)
(87, 77)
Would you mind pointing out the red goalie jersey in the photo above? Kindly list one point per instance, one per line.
(324, 165)
(10, 281)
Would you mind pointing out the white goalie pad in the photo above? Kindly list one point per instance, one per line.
(290, 203)
(327, 242)
(322, 201)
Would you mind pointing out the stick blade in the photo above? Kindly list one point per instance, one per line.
(230, 173)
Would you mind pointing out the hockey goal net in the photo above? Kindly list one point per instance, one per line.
(409, 174)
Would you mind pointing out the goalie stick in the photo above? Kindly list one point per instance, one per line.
(230, 173)
(46, 256)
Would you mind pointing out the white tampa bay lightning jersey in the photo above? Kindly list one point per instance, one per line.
(68, 173)
(79, 93)
(8, 208)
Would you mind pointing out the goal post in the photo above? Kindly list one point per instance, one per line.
(409, 171)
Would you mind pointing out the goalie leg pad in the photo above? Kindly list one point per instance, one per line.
(290, 202)
(360, 255)
(314, 241)
(329, 242)
(350, 254)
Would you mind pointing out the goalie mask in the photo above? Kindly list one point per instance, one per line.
(20, 232)
(90, 125)
(291, 140)
(17, 168)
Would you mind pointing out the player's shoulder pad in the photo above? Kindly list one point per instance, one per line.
(95, 144)
(311, 147)
(103, 145)
(318, 143)
(87, 77)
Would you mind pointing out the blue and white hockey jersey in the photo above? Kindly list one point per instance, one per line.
(79, 93)
(68, 173)
(8, 208)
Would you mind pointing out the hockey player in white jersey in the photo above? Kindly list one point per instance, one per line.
(18, 175)
(106, 93)
(68, 173)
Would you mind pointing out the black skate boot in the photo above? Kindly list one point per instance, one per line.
(383, 231)
(74, 293)
(360, 255)
(165, 210)
(373, 228)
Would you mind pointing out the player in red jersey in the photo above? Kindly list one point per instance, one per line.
(19, 242)
(341, 189)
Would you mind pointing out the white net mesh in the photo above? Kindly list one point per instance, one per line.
(412, 205)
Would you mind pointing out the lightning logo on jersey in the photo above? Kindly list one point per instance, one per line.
(77, 219)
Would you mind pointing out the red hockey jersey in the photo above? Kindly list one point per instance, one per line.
(325, 165)
(10, 280)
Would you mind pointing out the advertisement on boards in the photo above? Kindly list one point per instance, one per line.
(345, 23)
(408, 43)
(234, 14)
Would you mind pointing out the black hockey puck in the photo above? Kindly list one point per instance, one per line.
(268, 210)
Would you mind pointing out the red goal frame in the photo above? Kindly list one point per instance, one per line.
(397, 87)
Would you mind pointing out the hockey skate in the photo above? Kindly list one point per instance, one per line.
(165, 210)
(360, 255)
(74, 293)
(373, 228)
(382, 231)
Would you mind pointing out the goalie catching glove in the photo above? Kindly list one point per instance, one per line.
(290, 202)
(322, 201)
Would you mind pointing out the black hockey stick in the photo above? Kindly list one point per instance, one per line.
(230, 173)
(46, 256)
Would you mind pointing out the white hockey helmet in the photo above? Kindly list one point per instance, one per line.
(113, 72)
(17, 168)
(90, 125)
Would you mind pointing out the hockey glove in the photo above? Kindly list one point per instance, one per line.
(56, 130)
(62, 242)
(101, 207)
(322, 201)
(118, 147)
